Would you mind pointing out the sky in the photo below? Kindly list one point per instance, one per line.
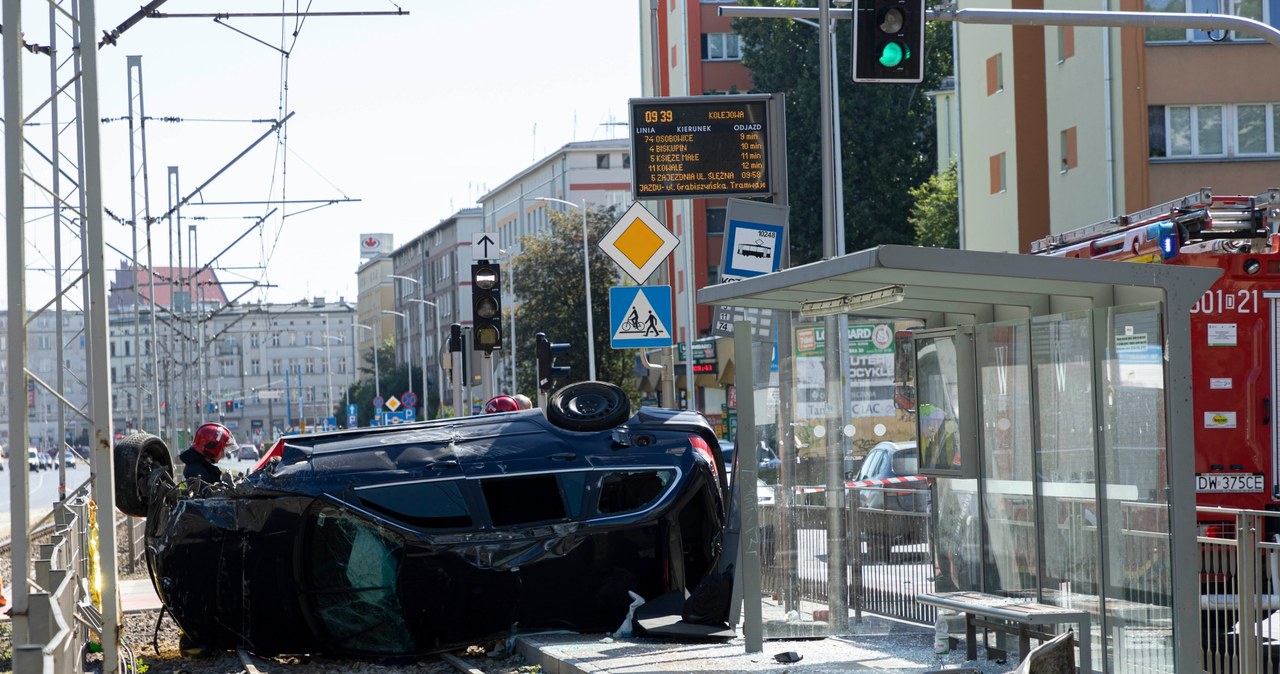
(409, 118)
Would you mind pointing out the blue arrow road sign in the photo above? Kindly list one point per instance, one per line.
(640, 317)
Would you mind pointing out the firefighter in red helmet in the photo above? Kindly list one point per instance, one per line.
(501, 403)
(207, 448)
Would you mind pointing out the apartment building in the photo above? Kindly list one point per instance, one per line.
(429, 285)
(1061, 127)
(687, 49)
(596, 173)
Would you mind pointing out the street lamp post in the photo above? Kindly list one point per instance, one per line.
(422, 320)
(328, 394)
(377, 388)
(422, 306)
(586, 273)
(511, 283)
(408, 353)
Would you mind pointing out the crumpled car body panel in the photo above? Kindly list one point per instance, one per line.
(416, 539)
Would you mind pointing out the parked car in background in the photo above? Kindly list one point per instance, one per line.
(247, 453)
(71, 459)
(47, 461)
(766, 468)
(384, 540)
(33, 459)
(893, 498)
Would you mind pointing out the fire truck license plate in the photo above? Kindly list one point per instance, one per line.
(1222, 482)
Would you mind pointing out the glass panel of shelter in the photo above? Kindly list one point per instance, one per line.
(1041, 385)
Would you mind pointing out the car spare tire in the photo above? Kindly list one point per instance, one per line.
(588, 406)
(136, 457)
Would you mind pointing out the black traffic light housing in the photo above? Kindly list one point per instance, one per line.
(486, 307)
(548, 371)
(888, 41)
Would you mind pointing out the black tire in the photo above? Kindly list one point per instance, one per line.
(588, 406)
(136, 457)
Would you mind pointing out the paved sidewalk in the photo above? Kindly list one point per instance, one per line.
(137, 595)
(879, 645)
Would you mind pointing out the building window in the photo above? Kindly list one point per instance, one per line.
(1188, 131)
(602, 161)
(275, 339)
(721, 47)
(997, 173)
(1066, 43)
(1067, 144)
(255, 367)
(995, 74)
(1249, 9)
(715, 220)
(1258, 129)
(342, 365)
(277, 367)
(626, 160)
(309, 366)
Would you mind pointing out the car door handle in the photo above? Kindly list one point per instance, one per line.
(563, 456)
(449, 463)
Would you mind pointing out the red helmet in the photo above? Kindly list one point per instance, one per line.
(211, 441)
(502, 403)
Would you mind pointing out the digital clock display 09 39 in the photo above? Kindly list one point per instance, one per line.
(699, 146)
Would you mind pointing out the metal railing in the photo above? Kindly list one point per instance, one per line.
(1239, 562)
(891, 559)
(888, 552)
(51, 644)
(62, 617)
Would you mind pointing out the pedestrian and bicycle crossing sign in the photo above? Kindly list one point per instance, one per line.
(640, 317)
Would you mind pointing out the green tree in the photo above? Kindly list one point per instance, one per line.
(887, 130)
(936, 212)
(549, 282)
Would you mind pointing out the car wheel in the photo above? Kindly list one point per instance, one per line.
(136, 457)
(588, 406)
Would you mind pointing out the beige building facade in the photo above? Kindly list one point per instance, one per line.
(1062, 127)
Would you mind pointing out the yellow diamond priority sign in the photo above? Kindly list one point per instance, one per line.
(638, 242)
(393, 404)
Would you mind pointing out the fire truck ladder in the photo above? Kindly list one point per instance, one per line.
(1200, 220)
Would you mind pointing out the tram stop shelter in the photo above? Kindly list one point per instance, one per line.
(1053, 410)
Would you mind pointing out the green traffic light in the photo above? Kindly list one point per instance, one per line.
(893, 54)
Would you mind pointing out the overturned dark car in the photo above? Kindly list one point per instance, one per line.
(417, 538)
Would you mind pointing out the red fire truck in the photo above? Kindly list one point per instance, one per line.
(1235, 329)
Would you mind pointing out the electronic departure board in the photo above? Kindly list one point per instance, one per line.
(701, 146)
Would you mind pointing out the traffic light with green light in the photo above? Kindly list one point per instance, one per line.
(486, 307)
(888, 41)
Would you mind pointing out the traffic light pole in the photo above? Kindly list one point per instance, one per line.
(1046, 17)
